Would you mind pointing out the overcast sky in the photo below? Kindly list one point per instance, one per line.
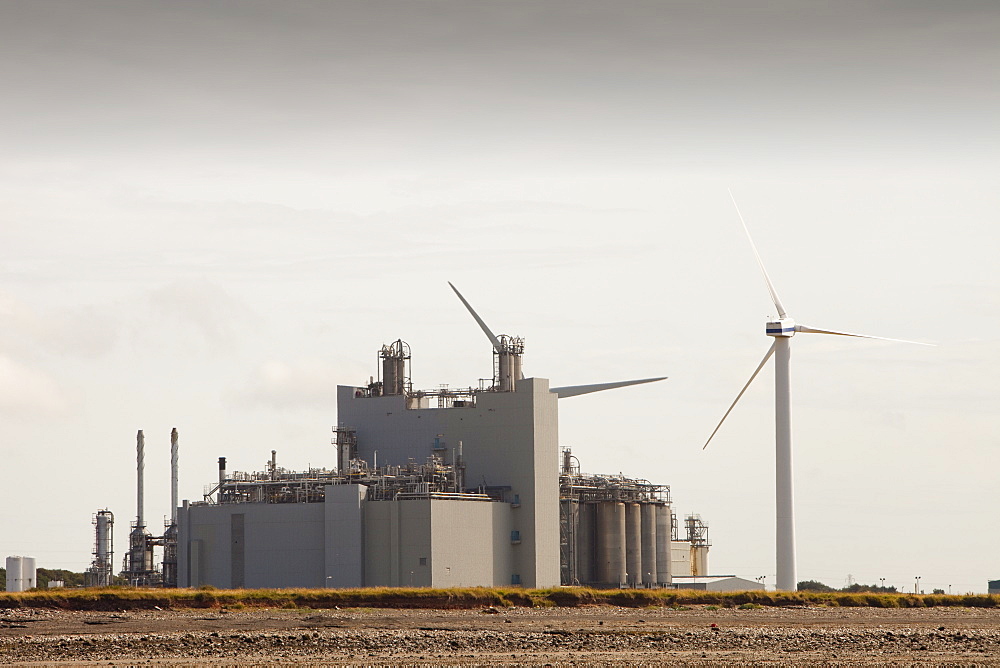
(215, 212)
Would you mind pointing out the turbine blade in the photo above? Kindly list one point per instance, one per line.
(576, 390)
(767, 279)
(770, 351)
(813, 330)
(493, 339)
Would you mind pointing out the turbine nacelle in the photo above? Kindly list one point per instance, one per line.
(781, 327)
(508, 351)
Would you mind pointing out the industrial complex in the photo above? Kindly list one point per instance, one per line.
(442, 487)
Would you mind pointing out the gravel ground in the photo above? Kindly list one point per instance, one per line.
(598, 635)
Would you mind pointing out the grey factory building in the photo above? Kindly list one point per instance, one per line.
(446, 487)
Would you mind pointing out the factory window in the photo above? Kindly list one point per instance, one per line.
(515, 579)
(423, 561)
(515, 537)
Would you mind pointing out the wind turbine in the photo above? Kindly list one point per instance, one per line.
(782, 330)
(509, 350)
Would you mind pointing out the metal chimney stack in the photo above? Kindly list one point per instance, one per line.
(173, 476)
(140, 446)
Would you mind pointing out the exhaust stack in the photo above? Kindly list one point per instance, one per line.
(140, 457)
(173, 476)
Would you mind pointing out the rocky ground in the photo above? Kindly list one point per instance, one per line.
(597, 635)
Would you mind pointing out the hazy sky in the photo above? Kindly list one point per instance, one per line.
(215, 212)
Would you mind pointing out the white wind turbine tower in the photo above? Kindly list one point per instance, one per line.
(782, 330)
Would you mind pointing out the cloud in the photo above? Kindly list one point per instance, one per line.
(282, 385)
(83, 331)
(26, 392)
(207, 307)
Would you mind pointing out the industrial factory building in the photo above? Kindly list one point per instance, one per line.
(446, 487)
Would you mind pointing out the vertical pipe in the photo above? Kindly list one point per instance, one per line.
(140, 456)
(785, 520)
(274, 464)
(459, 468)
(222, 471)
(173, 476)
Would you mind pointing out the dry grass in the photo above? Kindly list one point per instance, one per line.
(123, 598)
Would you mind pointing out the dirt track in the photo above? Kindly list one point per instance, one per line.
(597, 635)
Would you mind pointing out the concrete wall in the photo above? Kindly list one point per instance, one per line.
(282, 545)
(345, 542)
(434, 542)
(680, 558)
(343, 533)
(509, 439)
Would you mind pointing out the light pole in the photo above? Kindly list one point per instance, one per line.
(881, 583)
(916, 586)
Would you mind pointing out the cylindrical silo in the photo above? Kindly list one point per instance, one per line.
(663, 533)
(633, 543)
(648, 511)
(610, 564)
(14, 574)
(585, 542)
(28, 573)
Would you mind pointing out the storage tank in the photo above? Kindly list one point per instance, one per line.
(586, 542)
(28, 573)
(633, 544)
(611, 542)
(13, 574)
(663, 533)
(648, 513)
(20, 573)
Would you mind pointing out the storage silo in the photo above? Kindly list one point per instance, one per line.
(20, 573)
(13, 574)
(585, 542)
(648, 513)
(664, 531)
(28, 573)
(633, 544)
(611, 542)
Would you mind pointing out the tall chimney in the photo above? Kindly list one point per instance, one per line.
(222, 470)
(173, 476)
(140, 446)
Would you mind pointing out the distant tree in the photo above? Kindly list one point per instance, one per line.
(858, 588)
(3, 579)
(938, 591)
(45, 575)
(814, 585)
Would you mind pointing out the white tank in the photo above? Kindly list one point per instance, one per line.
(28, 573)
(20, 573)
(14, 574)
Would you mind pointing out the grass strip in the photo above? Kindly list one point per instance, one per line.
(125, 598)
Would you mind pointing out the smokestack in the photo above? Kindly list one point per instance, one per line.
(140, 446)
(173, 476)
(274, 464)
(222, 470)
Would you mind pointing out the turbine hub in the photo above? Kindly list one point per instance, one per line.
(781, 327)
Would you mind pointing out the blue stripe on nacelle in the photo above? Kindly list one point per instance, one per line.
(780, 330)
